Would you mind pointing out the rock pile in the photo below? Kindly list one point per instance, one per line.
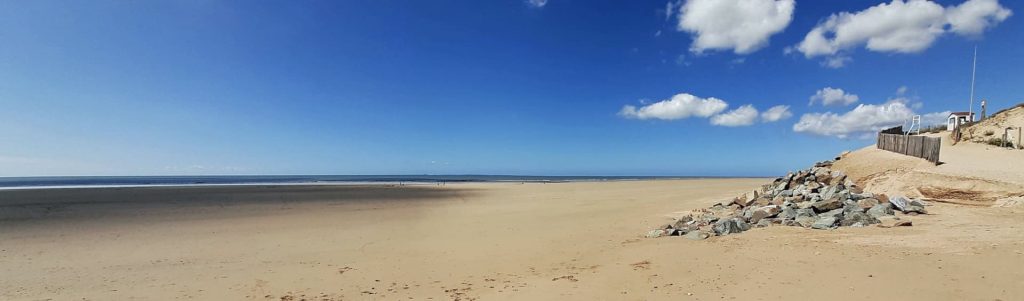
(816, 198)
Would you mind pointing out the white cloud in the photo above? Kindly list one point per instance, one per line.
(936, 118)
(743, 26)
(972, 17)
(742, 116)
(901, 90)
(899, 26)
(831, 96)
(776, 113)
(537, 3)
(679, 107)
(836, 62)
(862, 120)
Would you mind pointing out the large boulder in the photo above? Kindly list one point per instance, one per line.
(881, 210)
(764, 212)
(837, 213)
(906, 205)
(787, 213)
(826, 205)
(867, 204)
(730, 225)
(824, 223)
(852, 207)
(806, 220)
(857, 219)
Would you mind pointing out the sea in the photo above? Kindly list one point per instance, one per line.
(145, 181)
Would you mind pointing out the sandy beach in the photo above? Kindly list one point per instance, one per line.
(477, 241)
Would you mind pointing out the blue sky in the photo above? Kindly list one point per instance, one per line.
(558, 87)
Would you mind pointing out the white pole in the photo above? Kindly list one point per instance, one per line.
(974, 68)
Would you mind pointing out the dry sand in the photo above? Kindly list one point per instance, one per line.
(969, 173)
(567, 241)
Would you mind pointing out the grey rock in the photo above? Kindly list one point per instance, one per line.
(850, 208)
(837, 213)
(806, 221)
(824, 223)
(828, 192)
(744, 226)
(730, 226)
(906, 205)
(915, 206)
(857, 218)
(899, 202)
(806, 212)
(880, 210)
(787, 213)
(696, 235)
(764, 223)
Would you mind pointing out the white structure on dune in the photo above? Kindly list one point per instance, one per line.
(958, 118)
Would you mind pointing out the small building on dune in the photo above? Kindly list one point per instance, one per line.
(957, 118)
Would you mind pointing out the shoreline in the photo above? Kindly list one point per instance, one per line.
(371, 183)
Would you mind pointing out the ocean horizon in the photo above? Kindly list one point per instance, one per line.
(144, 181)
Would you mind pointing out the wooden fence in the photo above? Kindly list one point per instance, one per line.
(917, 146)
(893, 130)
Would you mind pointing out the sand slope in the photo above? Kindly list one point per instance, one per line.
(969, 173)
(572, 241)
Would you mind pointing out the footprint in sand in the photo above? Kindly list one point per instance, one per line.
(643, 265)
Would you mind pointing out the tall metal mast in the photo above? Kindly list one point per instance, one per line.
(974, 68)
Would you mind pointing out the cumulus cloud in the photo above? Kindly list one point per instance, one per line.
(973, 17)
(831, 96)
(865, 119)
(776, 113)
(537, 3)
(679, 106)
(899, 26)
(742, 116)
(742, 26)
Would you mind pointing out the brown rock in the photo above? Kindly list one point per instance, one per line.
(827, 205)
(764, 212)
(746, 199)
(778, 200)
(867, 203)
(882, 198)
